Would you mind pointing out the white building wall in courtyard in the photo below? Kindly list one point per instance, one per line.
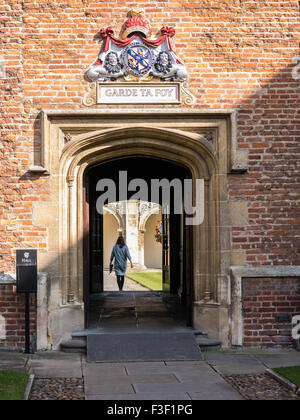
(153, 251)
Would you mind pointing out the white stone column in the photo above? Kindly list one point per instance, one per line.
(42, 312)
(141, 241)
(132, 226)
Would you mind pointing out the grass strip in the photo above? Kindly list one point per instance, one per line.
(12, 385)
(292, 373)
(152, 280)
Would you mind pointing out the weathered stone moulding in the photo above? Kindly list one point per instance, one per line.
(74, 140)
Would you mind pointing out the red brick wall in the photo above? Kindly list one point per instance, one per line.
(239, 55)
(263, 299)
(12, 308)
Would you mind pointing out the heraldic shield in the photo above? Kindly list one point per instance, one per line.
(135, 56)
(138, 59)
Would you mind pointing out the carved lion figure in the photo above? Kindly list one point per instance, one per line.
(110, 70)
(165, 69)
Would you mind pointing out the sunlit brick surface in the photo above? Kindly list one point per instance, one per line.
(239, 54)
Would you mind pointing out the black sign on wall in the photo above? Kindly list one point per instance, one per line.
(283, 318)
(26, 270)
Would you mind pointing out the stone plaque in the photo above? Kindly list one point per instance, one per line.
(136, 93)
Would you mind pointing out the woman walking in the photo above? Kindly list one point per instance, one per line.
(120, 253)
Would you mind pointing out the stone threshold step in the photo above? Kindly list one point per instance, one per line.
(147, 346)
(73, 346)
(78, 343)
(208, 344)
(82, 335)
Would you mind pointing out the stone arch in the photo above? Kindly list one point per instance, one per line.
(202, 141)
(187, 149)
(111, 230)
(150, 140)
(142, 228)
(117, 216)
(145, 217)
(152, 249)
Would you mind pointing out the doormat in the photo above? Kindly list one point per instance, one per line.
(116, 347)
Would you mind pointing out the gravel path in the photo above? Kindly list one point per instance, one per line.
(260, 387)
(57, 389)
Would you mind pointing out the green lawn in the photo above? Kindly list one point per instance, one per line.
(12, 385)
(291, 373)
(151, 280)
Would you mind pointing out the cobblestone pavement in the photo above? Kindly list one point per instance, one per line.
(57, 389)
(260, 387)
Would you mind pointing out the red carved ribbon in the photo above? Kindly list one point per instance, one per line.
(107, 34)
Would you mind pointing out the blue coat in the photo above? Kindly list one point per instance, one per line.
(120, 255)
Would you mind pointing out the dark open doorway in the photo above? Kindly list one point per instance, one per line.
(176, 236)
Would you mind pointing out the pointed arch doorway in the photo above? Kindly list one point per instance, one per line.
(203, 142)
(177, 237)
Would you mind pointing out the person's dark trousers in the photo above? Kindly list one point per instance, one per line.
(120, 280)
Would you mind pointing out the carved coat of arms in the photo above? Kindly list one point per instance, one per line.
(136, 56)
(122, 64)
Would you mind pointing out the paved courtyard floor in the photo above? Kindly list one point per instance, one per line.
(110, 284)
(164, 380)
